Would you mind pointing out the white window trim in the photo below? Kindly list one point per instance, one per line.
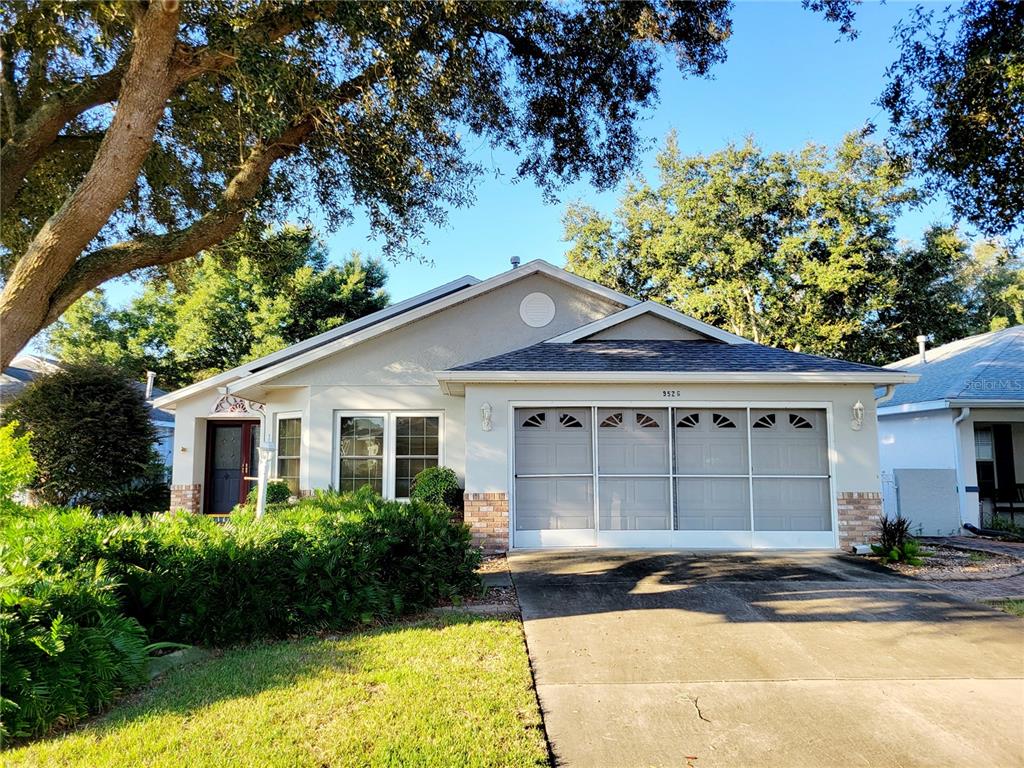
(390, 453)
(678, 538)
(277, 431)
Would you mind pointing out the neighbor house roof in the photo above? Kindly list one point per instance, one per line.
(987, 368)
(24, 369)
(663, 360)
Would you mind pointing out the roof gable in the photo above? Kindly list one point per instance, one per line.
(604, 327)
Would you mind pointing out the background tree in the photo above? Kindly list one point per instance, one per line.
(796, 250)
(955, 98)
(228, 110)
(786, 249)
(222, 309)
(92, 439)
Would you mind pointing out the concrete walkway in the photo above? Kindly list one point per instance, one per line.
(785, 659)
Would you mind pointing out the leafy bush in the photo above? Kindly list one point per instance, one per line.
(80, 593)
(17, 467)
(67, 648)
(278, 492)
(91, 434)
(438, 485)
(895, 544)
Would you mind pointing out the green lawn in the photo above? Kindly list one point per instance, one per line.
(1016, 607)
(450, 691)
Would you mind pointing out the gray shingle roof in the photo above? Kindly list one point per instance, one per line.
(661, 355)
(989, 366)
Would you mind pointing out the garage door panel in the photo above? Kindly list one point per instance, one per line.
(554, 503)
(711, 441)
(788, 442)
(713, 504)
(632, 441)
(792, 504)
(634, 503)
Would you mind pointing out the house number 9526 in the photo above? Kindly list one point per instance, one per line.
(671, 393)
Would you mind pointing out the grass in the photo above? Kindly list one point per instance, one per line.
(977, 558)
(453, 690)
(1014, 607)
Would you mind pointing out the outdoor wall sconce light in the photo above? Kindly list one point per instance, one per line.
(485, 417)
(858, 416)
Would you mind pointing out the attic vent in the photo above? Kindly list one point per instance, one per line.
(537, 310)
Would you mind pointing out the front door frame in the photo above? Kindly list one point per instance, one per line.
(246, 480)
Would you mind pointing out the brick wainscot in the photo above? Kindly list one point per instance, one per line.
(187, 497)
(858, 518)
(486, 514)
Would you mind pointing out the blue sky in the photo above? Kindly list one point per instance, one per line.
(789, 79)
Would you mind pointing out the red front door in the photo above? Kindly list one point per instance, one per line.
(232, 460)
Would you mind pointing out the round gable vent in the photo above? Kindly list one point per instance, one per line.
(537, 310)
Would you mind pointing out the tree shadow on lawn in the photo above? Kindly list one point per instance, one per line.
(255, 669)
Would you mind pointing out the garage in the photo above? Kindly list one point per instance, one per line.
(702, 475)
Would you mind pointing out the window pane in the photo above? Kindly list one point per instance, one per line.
(355, 473)
(406, 471)
(289, 439)
(288, 470)
(362, 436)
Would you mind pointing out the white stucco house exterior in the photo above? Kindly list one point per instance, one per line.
(952, 444)
(573, 414)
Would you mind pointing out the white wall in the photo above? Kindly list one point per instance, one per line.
(646, 327)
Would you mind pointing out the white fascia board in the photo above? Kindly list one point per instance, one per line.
(453, 382)
(241, 371)
(927, 405)
(648, 308)
(426, 309)
(939, 405)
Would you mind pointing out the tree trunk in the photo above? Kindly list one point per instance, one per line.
(147, 84)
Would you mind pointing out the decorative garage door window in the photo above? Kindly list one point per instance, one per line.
(554, 487)
(702, 469)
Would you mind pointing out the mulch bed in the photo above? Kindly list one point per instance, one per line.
(949, 564)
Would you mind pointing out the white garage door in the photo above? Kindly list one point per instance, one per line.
(672, 477)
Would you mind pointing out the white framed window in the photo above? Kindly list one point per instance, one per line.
(386, 449)
(289, 448)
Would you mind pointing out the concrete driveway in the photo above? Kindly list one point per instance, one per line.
(784, 659)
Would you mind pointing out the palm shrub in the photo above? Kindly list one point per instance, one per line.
(895, 544)
(66, 647)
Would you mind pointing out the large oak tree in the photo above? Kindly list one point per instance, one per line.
(135, 135)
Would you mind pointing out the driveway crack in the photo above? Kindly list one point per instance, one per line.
(696, 706)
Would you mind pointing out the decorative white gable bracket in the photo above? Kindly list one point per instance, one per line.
(232, 405)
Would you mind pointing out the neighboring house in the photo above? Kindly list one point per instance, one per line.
(952, 444)
(25, 368)
(574, 414)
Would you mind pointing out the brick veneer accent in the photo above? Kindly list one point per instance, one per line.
(486, 514)
(858, 517)
(187, 497)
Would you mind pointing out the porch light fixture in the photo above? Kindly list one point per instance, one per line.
(485, 417)
(858, 416)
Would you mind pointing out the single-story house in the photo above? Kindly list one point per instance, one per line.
(574, 415)
(25, 368)
(952, 444)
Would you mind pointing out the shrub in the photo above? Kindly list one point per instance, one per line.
(895, 544)
(91, 434)
(81, 593)
(17, 467)
(67, 648)
(278, 492)
(438, 485)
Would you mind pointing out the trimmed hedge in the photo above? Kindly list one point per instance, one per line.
(113, 584)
